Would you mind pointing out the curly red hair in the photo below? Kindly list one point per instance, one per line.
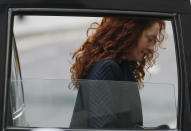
(113, 37)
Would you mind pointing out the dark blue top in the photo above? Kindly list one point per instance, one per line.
(110, 70)
(106, 103)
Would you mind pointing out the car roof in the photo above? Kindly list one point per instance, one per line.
(169, 6)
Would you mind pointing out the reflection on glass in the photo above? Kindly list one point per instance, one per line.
(50, 103)
(16, 105)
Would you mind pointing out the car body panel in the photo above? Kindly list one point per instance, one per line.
(177, 6)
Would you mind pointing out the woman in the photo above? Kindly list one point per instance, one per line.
(121, 49)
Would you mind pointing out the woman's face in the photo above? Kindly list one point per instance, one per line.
(145, 43)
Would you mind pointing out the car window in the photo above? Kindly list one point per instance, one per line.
(45, 46)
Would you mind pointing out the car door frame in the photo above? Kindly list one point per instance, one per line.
(181, 42)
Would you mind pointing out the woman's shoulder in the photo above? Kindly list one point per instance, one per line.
(106, 70)
(107, 63)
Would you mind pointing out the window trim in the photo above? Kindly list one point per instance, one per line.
(88, 12)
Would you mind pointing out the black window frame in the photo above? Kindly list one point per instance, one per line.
(8, 17)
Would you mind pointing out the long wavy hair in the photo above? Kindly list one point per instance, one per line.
(112, 39)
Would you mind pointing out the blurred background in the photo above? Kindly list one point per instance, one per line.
(45, 45)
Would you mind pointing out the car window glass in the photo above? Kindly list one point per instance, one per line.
(53, 104)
